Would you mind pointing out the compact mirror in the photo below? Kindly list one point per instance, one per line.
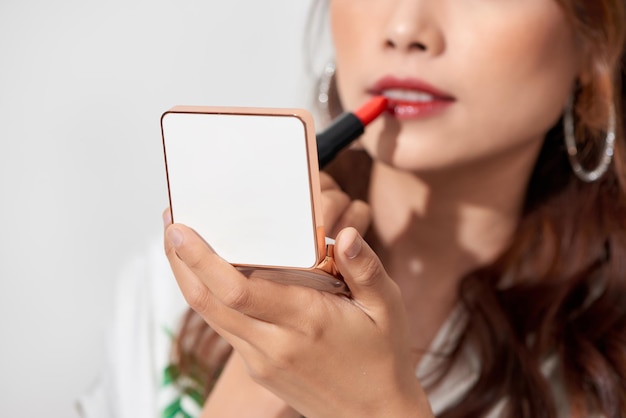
(246, 180)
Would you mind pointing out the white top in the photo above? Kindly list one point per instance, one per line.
(149, 307)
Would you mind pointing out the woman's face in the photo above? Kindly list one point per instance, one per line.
(474, 81)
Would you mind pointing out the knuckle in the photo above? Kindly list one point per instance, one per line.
(261, 372)
(369, 271)
(358, 216)
(314, 324)
(316, 333)
(197, 298)
(170, 252)
(195, 260)
(283, 359)
(327, 182)
(335, 206)
(335, 200)
(269, 368)
(362, 208)
(237, 298)
(195, 256)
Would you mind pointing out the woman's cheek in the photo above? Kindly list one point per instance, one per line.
(523, 75)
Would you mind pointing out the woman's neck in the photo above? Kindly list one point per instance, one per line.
(439, 227)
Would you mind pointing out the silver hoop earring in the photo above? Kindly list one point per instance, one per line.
(572, 150)
(323, 89)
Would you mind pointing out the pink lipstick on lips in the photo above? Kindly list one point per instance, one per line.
(411, 98)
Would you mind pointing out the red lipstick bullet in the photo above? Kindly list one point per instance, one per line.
(346, 128)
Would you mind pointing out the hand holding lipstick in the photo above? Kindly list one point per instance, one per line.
(339, 211)
(346, 128)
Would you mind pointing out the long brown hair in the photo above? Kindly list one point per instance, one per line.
(565, 296)
(566, 267)
(566, 263)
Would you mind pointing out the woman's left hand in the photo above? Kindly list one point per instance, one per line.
(325, 355)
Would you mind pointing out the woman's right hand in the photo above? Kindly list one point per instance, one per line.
(339, 211)
(236, 394)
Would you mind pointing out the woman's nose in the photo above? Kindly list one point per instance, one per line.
(413, 26)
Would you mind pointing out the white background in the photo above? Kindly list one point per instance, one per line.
(82, 183)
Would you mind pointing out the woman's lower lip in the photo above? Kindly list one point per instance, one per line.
(417, 110)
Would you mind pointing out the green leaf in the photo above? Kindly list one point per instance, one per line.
(170, 374)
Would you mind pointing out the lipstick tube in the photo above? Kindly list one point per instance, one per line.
(346, 128)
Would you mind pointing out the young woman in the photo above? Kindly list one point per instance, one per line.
(491, 280)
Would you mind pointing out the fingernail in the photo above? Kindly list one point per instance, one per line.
(167, 218)
(355, 248)
(175, 237)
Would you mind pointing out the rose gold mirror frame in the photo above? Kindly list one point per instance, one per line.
(324, 275)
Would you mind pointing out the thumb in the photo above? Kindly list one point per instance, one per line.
(362, 269)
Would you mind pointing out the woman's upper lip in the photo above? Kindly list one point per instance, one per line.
(391, 83)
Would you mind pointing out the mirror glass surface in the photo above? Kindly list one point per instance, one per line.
(242, 182)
